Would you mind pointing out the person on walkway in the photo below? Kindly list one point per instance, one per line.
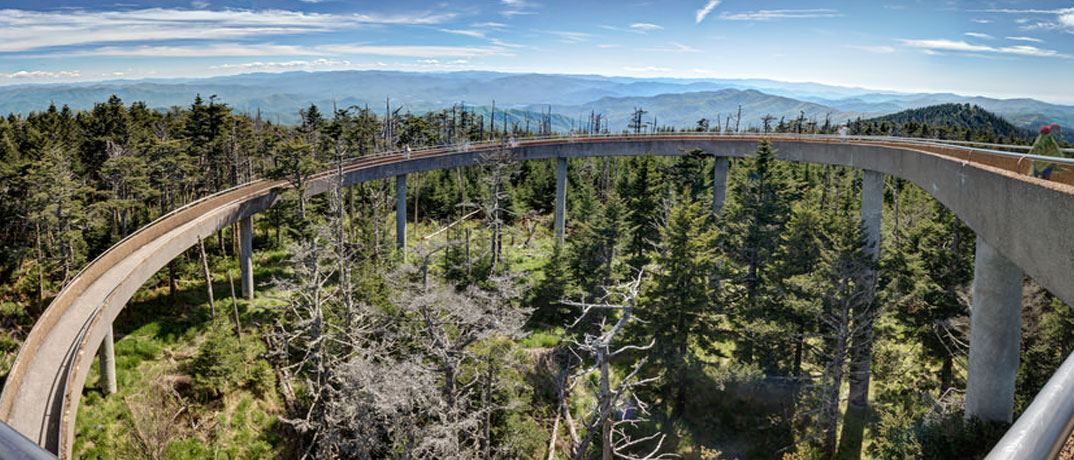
(406, 151)
(1046, 146)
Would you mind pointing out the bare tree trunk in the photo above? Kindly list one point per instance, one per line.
(40, 269)
(234, 305)
(208, 276)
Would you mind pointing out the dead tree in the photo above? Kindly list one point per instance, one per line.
(500, 167)
(620, 402)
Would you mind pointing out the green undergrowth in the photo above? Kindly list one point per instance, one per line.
(188, 387)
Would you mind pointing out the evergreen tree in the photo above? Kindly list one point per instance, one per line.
(681, 308)
(840, 293)
(640, 189)
(756, 216)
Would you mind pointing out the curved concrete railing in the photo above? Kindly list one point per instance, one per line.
(1015, 213)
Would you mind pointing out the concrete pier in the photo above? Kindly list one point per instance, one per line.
(400, 212)
(872, 211)
(561, 198)
(107, 363)
(995, 335)
(719, 184)
(246, 256)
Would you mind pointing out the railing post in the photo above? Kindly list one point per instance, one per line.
(107, 363)
(561, 198)
(719, 184)
(400, 213)
(246, 256)
(995, 335)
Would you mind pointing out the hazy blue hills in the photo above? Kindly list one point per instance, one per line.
(675, 102)
(685, 109)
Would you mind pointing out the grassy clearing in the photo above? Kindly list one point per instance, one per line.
(161, 409)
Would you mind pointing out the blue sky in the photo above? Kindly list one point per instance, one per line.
(997, 48)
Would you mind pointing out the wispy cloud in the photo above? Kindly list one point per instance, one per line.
(873, 49)
(416, 51)
(961, 46)
(674, 47)
(488, 25)
(201, 50)
(1064, 18)
(768, 15)
(567, 36)
(1026, 39)
(645, 27)
(705, 10)
(39, 74)
(981, 21)
(284, 65)
(978, 35)
(240, 49)
(468, 33)
(23, 30)
(518, 7)
(638, 28)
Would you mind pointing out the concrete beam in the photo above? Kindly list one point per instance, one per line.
(400, 212)
(995, 335)
(246, 256)
(107, 363)
(561, 198)
(719, 183)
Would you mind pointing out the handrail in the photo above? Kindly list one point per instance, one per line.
(1045, 426)
(14, 445)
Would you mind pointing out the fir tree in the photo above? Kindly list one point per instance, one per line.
(681, 308)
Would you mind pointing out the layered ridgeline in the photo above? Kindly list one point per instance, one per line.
(684, 110)
(276, 95)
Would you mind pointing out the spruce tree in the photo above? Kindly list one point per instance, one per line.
(640, 191)
(681, 308)
(757, 214)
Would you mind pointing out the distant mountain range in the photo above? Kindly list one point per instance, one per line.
(683, 110)
(672, 102)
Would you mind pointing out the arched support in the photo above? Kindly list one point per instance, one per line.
(400, 213)
(995, 335)
(107, 363)
(561, 198)
(719, 184)
(246, 256)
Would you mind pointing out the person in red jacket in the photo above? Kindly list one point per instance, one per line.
(1046, 146)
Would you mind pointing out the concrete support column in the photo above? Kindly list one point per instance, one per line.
(872, 211)
(400, 212)
(719, 184)
(107, 363)
(246, 256)
(561, 198)
(995, 335)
